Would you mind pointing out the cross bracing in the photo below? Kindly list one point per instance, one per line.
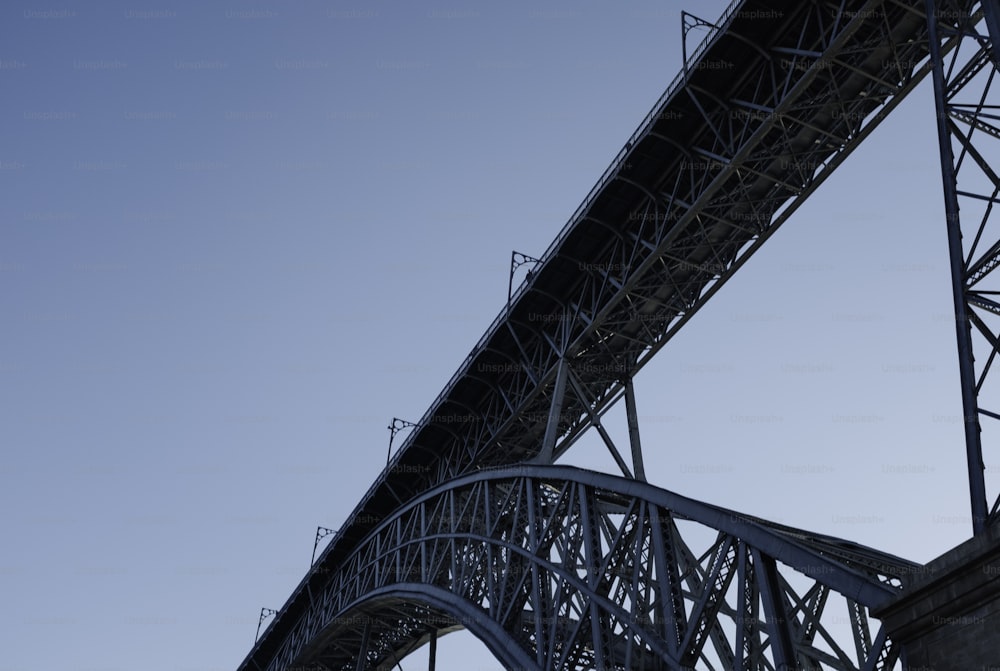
(967, 112)
(774, 100)
(560, 568)
(721, 161)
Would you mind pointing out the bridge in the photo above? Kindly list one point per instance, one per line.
(473, 525)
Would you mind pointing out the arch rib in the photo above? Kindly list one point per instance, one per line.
(556, 567)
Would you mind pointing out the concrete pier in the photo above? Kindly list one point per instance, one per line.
(949, 617)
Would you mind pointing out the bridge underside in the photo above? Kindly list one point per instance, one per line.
(558, 568)
(561, 568)
(780, 98)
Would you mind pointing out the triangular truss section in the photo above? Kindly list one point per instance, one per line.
(561, 568)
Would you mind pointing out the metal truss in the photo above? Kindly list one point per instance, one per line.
(560, 568)
(555, 568)
(766, 109)
(968, 130)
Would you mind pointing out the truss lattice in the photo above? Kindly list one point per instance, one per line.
(561, 568)
(968, 113)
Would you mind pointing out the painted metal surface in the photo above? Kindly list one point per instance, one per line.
(553, 567)
(968, 130)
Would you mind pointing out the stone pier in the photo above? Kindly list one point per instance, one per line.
(948, 619)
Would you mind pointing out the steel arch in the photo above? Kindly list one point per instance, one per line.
(556, 567)
(383, 627)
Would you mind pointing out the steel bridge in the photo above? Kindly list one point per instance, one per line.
(472, 525)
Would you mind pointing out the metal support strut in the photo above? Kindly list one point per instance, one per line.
(321, 533)
(633, 431)
(264, 614)
(395, 427)
(945, 89)
(547, 454)
(517, 259)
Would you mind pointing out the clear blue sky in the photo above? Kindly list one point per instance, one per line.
(236, 239)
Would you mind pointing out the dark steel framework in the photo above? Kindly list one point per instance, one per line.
(560, 568)
(770, 104)
(968, 129)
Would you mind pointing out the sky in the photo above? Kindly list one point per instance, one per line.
(238, 238)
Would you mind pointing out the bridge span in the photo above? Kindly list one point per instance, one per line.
(534, 559)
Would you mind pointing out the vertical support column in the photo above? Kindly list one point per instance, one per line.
(672, 612)
(963, 325)
(633, 431)
(593, 555)
(547, 455)
(536, 593)
(747, 636)
(778, 622)
(363, 652)
(991, 11)
(432, 656)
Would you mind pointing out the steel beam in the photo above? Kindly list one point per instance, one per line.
(970, 78)
(633, 430)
